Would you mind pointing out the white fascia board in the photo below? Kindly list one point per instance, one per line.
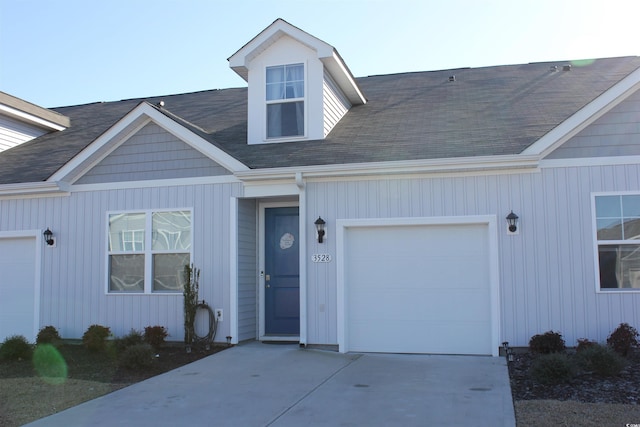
(154, 183)
(33, 189)
(589, 161)
(239, 61)
(343, 77)
(30, 118)
(585, 116)
(465, 164)
(121, 131)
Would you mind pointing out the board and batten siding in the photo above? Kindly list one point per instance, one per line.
(14, 132)
(617, 133)
(334, 103)
(152, 153)
(247, 270)
(73, 292)
(547, 271)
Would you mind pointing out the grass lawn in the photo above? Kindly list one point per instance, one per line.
(26, 396)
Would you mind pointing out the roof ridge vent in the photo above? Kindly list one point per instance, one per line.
(566, 67)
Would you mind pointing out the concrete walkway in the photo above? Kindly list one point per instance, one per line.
(260, 384)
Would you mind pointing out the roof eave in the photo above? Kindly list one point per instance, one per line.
(405, 167)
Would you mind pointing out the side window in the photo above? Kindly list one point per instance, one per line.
(148, 251)
(285, 101)
(618, 241)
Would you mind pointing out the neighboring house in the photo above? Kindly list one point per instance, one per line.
(413, 174)
(21, 121)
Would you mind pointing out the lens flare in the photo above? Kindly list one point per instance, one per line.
(582, 62)
(49, 364)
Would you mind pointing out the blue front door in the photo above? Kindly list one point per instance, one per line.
(282, 271)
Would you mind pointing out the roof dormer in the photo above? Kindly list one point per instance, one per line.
(299, 86)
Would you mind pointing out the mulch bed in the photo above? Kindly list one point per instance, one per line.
(104, 367)
(584, 387)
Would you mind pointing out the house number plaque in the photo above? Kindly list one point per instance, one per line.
(321, 258)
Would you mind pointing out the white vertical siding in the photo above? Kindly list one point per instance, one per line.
(617, 133)
(73, 285)
(334, 103)
(247, 270)
(14, 132)
(546, 271)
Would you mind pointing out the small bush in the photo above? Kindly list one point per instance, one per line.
(549, 342)
(584, 344)
(552, 368)
(155, 335)
(48, 335)
(623, 339)
(132, 338)
(600, 360)
(16, 347)
(138, 356)
(95, 338)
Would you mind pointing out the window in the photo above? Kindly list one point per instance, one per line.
(618, 240)
(148, 251)
(285, 101)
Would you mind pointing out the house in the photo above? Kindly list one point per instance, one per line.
(21, 121)
(365, 214)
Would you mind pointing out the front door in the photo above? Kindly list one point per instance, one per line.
(282, 271)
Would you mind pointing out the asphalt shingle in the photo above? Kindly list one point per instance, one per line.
(485, 111)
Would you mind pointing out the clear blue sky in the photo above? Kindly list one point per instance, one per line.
(63, 52)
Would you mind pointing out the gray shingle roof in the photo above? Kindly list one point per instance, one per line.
(485, 111)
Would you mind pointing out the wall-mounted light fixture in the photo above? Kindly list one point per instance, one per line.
(512, 222)
(48, 237)
(320, 228)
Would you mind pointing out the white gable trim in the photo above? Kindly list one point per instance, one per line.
(332, 61)
(129, 125)
(585, 116)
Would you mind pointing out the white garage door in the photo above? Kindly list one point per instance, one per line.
(17, 287)
(418, 289)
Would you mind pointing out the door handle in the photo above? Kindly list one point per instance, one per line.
(267, 278)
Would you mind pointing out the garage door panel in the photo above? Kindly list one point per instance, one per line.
(418, 289)
(441, 337)
(17, 287)
(423, 305)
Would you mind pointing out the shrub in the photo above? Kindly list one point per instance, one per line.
(95, 338)
(584, 344)
(48, 335)
(155, 335)
(600, 360)
(16, 347)
(623, 339)
(549, 342)
(138, 356)
(552, 368)
(132, 338)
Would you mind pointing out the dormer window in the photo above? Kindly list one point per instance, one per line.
(285, 101)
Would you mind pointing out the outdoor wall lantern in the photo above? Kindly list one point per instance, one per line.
(512, 222)
(320, 228)
(48, 237)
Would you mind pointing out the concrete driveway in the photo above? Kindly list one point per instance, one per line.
(260, 384)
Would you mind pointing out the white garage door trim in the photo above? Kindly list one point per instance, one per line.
(37, 236)
(490, 221)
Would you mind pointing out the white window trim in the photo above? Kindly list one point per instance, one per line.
(148, 252)
(304, 99)
(596, 243)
